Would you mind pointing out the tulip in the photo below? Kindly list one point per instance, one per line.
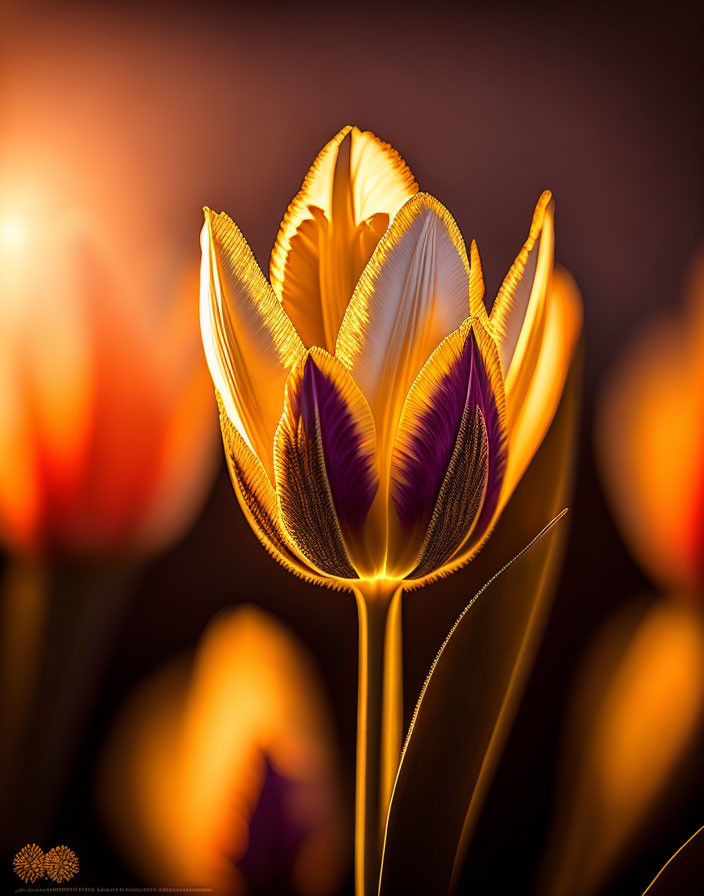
(650, 441)
(376, 418)
(106, 450)
(105, 443)
(220, 769)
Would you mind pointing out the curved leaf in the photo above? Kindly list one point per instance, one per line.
(683, 874)
(470, 696)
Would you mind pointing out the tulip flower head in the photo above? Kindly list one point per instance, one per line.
(376, 418)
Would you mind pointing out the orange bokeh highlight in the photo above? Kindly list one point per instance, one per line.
(638, 706)
(637, 709)
(650, 441)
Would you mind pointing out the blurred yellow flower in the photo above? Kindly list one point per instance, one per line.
(105, 439)
(221, 772)
(376, 419)
(635, 712)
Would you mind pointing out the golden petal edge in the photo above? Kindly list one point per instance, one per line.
(519, 303)
(298, 211)
(463, 555)
(249, 341)
(257, 499)
(355, 186)
(476, 286)
(396, 318)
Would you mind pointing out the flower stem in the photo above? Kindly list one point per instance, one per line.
(23, 619)
(379, 722)
(58, 622)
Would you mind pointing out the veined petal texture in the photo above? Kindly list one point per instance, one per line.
(325, 459)
(249, 341)
(354, 188)
(449, 455)
(413, 293)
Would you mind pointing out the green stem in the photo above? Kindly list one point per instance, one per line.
(379, 722)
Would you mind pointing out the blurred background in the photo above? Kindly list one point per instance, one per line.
(119, 125)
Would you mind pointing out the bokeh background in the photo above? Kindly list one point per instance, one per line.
(142, 113)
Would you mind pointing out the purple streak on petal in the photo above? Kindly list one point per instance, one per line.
(483, 396)
(466, 385)
(431, 446)
(348, 469)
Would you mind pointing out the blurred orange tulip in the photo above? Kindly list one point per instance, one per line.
(221, 772)
(650, 442)
(639, 701)
(106, 434)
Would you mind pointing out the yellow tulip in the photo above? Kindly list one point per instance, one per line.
(220, 769)
(376, 419)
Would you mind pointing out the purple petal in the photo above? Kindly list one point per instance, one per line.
(464, 387)
(349, 471)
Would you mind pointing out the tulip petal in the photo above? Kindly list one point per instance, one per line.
(258, 501)
(531, 403)
(473, 690)
(249, 341)
(449, 453)
(354, 188)
(517, 316)
(189, 451)
(413, 293)
(325, 460)
(476, 286)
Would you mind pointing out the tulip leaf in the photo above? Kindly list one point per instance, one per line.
(471, 694)
(683, 874)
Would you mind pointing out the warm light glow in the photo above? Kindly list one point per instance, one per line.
(637, 709)
(650, 441)
(13, 232)
(104, 436)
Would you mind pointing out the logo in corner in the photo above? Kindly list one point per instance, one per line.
(60, 864)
